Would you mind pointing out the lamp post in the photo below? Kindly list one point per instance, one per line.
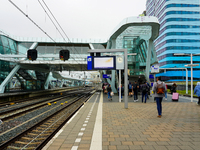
(186, 76)
(190, 65)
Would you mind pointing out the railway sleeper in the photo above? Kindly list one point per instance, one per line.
(28, 138)
(28, 148)
(25, 143)
(39, 131)
(33, 134)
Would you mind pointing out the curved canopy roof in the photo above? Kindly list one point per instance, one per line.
(140, 22)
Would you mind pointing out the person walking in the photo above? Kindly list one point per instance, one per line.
(130, 89)
(159, 90)
(109, 91)
(197, 92)
(135, 89)
(144, 90)
(122, 91)
(173, 88)
(166, 93)
(148, 93)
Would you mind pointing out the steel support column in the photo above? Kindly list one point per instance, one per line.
(8, 78)
(46, 85)
(148, 60)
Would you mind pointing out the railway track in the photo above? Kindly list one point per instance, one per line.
(10, 103)
(38, 135)
(8, 112)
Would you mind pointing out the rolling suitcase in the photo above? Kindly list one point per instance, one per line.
(175, 96)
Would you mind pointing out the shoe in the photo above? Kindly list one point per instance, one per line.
(111, 99)
(134, 101)
(166, 99)
(159, 116)
(197, 103)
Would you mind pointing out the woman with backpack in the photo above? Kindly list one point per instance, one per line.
(130, 89)
(159, 90)
(173, 88)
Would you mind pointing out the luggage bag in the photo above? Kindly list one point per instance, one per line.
(175, 96)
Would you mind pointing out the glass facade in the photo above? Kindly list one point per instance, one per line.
(179, 33)
(26, 79)
(10, 46)
(131, 39)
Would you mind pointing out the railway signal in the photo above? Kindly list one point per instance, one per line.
(32, 54)
(64, 55)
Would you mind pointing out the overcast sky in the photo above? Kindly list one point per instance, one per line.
(86, 19)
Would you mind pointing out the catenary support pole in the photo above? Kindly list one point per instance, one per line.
(191, 79)
(120, 86)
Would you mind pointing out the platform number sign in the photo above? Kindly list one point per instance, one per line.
(89, 63)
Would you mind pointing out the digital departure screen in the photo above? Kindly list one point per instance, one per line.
(104, 63)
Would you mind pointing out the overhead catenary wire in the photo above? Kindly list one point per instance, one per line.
(34, 22)
(59, 24)
(50, 18)
(55, 24)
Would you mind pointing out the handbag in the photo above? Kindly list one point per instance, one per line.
(112, 93)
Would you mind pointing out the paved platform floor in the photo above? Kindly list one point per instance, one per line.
(135, 128)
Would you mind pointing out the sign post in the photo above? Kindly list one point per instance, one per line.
(154, 70)
(125, 69)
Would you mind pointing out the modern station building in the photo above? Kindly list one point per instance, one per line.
(179, 33)
(136, 34)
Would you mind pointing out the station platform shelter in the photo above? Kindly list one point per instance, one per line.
(103, 124)
(136, 34)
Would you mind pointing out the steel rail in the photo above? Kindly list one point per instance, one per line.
(4, 145)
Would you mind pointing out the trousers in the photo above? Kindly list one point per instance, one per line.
(159, 105)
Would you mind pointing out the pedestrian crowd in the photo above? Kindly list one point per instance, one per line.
(159, 91)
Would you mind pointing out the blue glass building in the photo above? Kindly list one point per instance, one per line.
(179, 33)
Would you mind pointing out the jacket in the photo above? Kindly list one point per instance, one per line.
(146, 87)
(109, 89)
(197, 90)
(155, 87)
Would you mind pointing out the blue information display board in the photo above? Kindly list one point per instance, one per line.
(106, 75)
(101, 62)
(151, 76)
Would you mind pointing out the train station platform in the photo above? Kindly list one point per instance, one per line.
(106, 125)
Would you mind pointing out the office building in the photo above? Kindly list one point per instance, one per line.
(179, 33)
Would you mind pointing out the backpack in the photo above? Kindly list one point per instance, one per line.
(134, 86)
(130, 86)
(144, 89)
(160, 89)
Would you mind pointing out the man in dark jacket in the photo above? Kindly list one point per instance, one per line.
(144, 89)
(135, 89)
(109, 91)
